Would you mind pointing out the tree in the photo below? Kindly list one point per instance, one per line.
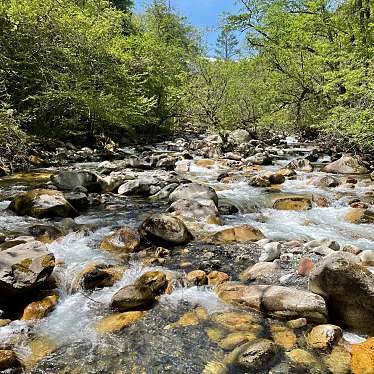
(226, 45)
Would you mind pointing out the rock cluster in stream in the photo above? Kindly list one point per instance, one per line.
(289, 301)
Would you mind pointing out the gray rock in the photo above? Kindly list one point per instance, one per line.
(283, 302)
(347, 164)
(165, 229)
(193, 191)
(42, 204)
(24, 267)
(348, 288)
(195, 209)
(270, 252)
(70, 179)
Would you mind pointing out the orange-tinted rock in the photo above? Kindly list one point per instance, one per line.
(122, 240)
(40, 309)
(363, 357)
(305, 266)
(217, 277)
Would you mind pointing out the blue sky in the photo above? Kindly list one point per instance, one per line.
(203, 14)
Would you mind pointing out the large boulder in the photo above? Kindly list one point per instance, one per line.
(282, 302)
(198, 209)
(165, 229)
(363, 357)
(123, 240)
(238, 137)
(42, 204)
(193, 191)
(346, 165)
(24, 267)
(68, 180)
(348, 289)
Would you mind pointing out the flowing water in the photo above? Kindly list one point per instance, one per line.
(66, 340)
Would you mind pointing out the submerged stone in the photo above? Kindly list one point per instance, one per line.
(118, 321)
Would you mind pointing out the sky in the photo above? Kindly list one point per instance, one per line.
(203, 14)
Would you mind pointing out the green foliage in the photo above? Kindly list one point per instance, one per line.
(72, 67)
(312, 65)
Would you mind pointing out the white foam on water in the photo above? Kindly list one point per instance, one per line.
(353, 338)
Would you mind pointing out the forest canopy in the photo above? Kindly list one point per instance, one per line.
(86, 67)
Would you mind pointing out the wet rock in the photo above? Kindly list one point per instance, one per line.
(284, 302)
(198, 209)
(363, 357)
(338, 361)
(16, 241)
(193, 191)
(367, 257)
(78, 200)
(260, 159)
(235, 339)
(292, 202)
(259, 271)
(258, 355)
(270, 252)
(38, 349)
(9, 361)
(70, 179)
(164, 228)
(286, 172)
(118, 321)
(45, 233)
(297, 323)
(324, 336)
(196, 278)
(227, 209)
(97, 276)
(346, 165)
(237, 137)
(301, 164)
(24, 267)
(327, 181)
(283, 336)
(40, 309)
(165, 192)
(348, 288)
(42, 204)
(217, 277)
(132, 297)
(303, 359)
(156, 281)
(215, 367)
(238, 234)
(238, 321)
(124, 240)
(139, 187)
(259, 181)
(360, 216)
